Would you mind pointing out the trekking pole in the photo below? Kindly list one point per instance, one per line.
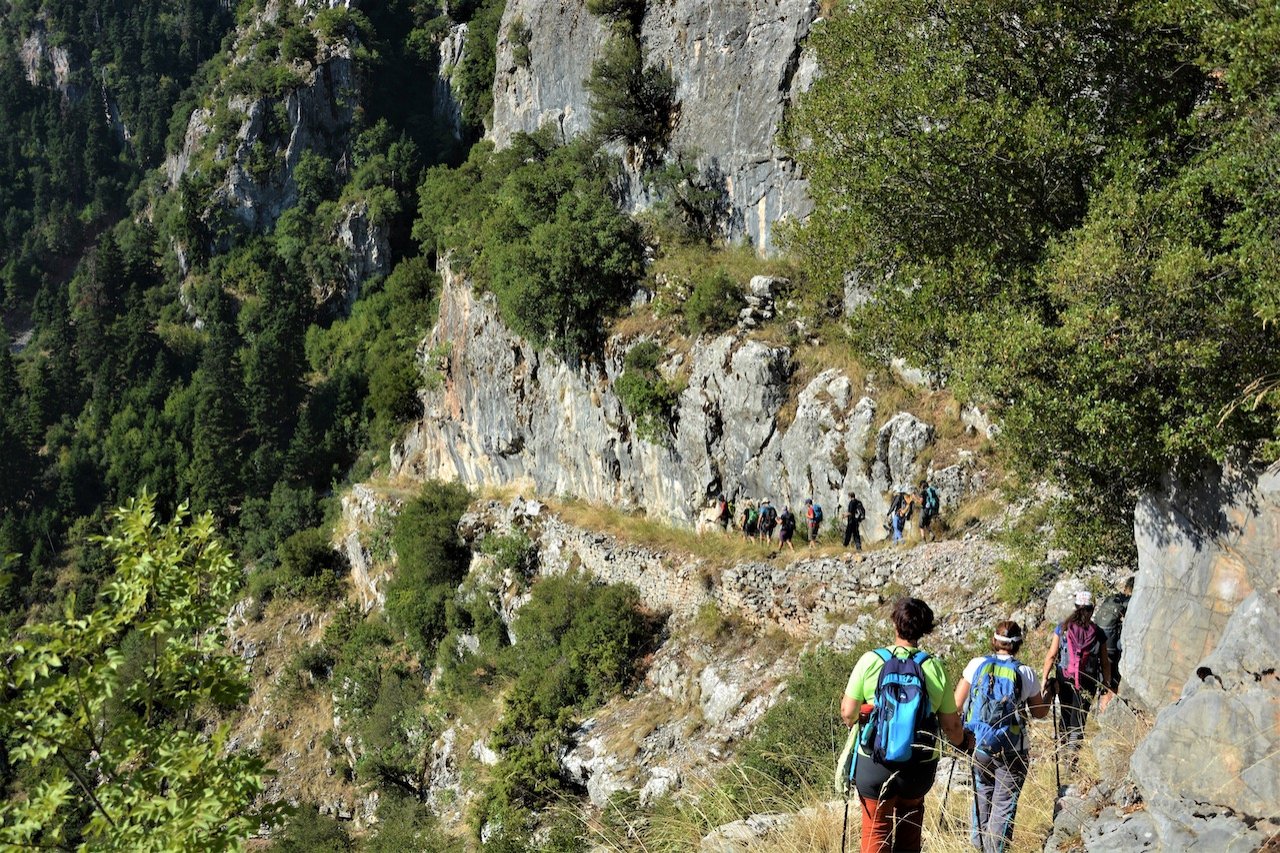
(844, 830)
(947, 792)
(1057, 774)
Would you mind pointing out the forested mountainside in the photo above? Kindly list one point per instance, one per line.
(314, 290)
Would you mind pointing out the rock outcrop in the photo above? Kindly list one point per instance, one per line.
(737, 67)
(507, 413)
(314, 116)
(253, 171)
(1200, 653)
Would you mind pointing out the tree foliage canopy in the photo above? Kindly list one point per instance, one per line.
(96, 710)
(1062, 207)
(538, 225)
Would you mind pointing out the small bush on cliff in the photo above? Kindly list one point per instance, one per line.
(631, 102)
(538, 225)
(713, 304)
(622, 14)
(577, 646)
(432, 560)
(648, 397)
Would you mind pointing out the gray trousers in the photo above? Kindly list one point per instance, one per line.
(997, 781)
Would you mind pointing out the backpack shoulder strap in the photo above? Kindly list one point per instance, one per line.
(884, 654)
(920, 658)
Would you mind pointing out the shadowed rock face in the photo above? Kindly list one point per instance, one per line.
(1201, 552)
(737, 66)
(1201, 640)
(506, 413)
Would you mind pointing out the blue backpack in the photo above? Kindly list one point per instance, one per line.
(992, 710)
(903, 728)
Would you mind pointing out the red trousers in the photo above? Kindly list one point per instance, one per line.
(878, 818)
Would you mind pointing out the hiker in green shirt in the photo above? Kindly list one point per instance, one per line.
(894, 796)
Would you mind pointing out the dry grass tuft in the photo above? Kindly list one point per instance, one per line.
(714, 549)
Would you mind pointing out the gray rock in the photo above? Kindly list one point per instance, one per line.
(1200, 647)
(447, 109)
(720, 698)
(743, 834)
(737, 66)
(1201, 551)
(898, 445)
(662, 782)
(507, 413)
(1220, 744)
(368, 252)
(1115, 832)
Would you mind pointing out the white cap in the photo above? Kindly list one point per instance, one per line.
(1084, 598)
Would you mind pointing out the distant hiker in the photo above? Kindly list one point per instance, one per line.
(897, 753)
(1110, 618)
(726, 513)
(995, 694)
(786, 528)
(750, 520)
(813, 515)
(929, 505)
(854, 513)
(1078, 666)
(768, 520)
(899, 513)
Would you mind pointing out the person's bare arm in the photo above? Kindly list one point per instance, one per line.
(962, 692)
(1038, 706)
(1049, 659)
(849, 710)
(952, 728)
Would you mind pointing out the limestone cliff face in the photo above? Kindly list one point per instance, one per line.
(1200, 652)
(506, 413)
(254, 169)
(737, 67)
(317, 116)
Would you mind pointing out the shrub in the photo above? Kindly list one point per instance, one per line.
(693, 205)
(713, 304)
(299, 45)
(631, 102)
(537, 224)
(432, 559)
(308, 831)
(520, 35)
(647, 396)
(623, 14)
(577, 644)
(309, 566)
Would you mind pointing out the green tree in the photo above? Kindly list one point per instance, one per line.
(631, 102)
(101, 712)
(431, 560)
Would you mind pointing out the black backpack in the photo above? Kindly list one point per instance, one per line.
(768, 517)
(1110, 618)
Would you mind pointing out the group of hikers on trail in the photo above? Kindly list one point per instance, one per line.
(760, 523)
(898, 705)
(902, 507)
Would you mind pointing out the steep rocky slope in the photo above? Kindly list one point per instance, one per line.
(737, 67)
(507, 413)
(1199, 665)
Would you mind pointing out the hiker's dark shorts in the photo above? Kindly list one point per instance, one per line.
(876, 782)
(926, 518)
